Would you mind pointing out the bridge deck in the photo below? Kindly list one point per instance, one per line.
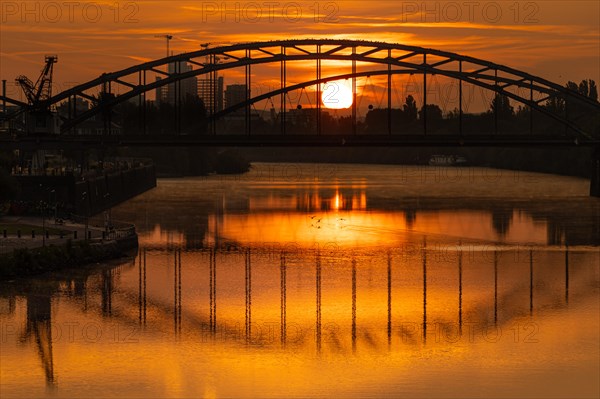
(306, 140)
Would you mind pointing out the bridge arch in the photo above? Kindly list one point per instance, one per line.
(405, 59)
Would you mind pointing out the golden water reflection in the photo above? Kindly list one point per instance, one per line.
(362, 229)
(248, 322)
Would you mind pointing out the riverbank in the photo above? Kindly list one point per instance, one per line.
(50, 248)
(31, 245)
(573, 161)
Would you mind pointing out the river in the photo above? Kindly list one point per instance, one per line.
(325, 280)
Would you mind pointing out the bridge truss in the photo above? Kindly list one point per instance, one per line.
(383, 59)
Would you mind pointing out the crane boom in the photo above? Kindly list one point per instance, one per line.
(42, 89)
(27, 86)
(44, 83)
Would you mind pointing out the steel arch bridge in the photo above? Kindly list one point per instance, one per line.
(111, 89)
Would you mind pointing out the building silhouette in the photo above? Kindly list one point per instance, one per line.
(182, 89)
(235, 94)
(211, 93)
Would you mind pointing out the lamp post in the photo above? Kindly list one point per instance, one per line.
(53, 191)
(83, 197)
(107, 214)
(43, 224)
(43, 210)
(55, 207)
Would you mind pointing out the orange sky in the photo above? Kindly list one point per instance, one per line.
(556, 40)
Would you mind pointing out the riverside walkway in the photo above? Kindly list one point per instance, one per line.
(27, 224)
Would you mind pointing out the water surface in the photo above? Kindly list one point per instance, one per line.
(301, 280)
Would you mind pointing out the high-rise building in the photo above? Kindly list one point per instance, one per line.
(161, 92)
(235, 94)
(211, 94)
(183, 87)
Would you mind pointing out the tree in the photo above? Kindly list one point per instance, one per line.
(193, 115)
(555, 105)
(434, 113)
(584, 89)
(410, 109)
(376, 120)
(522, 112)
(593, 91)
(501, 105)
(572, 86)
(587, 88)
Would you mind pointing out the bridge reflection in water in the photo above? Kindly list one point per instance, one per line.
(344, 273)
(329, 300)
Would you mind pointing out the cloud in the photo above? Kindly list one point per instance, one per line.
(88, 49)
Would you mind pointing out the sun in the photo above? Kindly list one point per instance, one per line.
(337, 95)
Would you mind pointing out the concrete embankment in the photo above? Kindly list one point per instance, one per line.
(32, 245)
(25, 256)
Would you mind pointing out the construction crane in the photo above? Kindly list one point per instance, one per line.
(168, 38)
(39, 118)
(42, 89)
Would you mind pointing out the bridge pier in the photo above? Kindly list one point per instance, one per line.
(595, 176)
